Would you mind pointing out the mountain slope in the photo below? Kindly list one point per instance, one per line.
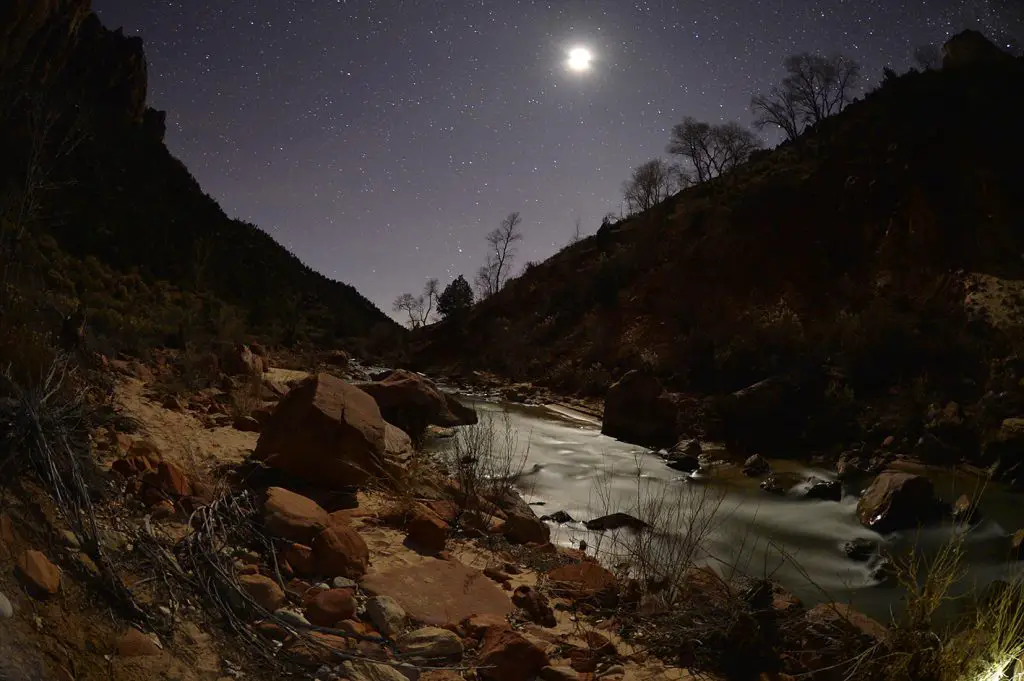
(843, 256)
(87, 157)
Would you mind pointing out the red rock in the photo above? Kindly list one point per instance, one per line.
(356, 628)
(439, 592)
(507, 656)
(445, 510)
(832, 616)
(299, 588)
(311, 655)
(170, 480)
(133, 643)
(329, 607)
(411, 402)
(522, 529)
(133, 466)
(325, 431)
(246, 424)
(428, 532)
(300, 558)
(340, 551)
(271, 631)
(38, 575)
(263, 590)
(10, 540)
(293, 516)
(338, 358)
(583, 581)
(476, 626)
(535, 605)
(897, 501)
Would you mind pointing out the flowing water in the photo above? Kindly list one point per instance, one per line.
(572, 467)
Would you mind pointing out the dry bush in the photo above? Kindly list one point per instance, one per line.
(985, 643)
(247, 397)
(484, 461)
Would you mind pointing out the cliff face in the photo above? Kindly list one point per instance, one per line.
(74, 110)
(61, 45)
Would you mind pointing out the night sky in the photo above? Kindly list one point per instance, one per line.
(379, 141)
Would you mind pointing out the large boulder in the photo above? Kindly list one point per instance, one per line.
(508, 656)
(637, 409)
(327, 432)
(293, 516)
(439, 592)
(524, 529)
(339, 551)
(412, 402)
(898, 501)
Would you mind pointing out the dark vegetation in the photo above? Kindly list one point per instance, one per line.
(840, 259)
(99, 219)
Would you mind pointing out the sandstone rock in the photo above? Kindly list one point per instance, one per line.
(263, 590)
(535, 605)
(170, 480)
(38, 575)
(325, 431)
(507, 656)
(427, 531)
(340, 551)
(300, 559)
(363, 670)
(240, 360)
(638, 410)
(522, 529)
(293, 516)
(476, 626)
(583, 581)
(411, 402)
(615, 521)
(898, 501)
(329, 607)
(134, 643)
(430, 643)
(246, 424)
(386, 614)
(271, 631)
(560, 517)
(826, 616)
(826, 490)
(558, 674)
(338, 358)
(755, 466)
(439, 592)
(320, 652)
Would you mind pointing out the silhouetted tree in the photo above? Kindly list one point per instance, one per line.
(814, 88)
(456, 297)
(501, 253)
(418, 308)
(710, 150)
(928, 57)
(649, 184)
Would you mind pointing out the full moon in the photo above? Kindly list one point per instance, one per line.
(579, 59)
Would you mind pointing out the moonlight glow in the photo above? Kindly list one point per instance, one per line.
(579, 59)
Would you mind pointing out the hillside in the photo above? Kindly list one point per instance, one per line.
(85, 165)
(842, 261)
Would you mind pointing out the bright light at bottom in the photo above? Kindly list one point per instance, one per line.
(580, 58)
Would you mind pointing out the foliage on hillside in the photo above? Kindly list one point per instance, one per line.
(843, 253)
(85, 167)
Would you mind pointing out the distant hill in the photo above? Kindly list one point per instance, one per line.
(74, 117)
(857, 257)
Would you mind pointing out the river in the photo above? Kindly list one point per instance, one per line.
(570, 466)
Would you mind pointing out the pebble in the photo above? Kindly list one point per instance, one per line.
(71, 539)
(292, 617)
(6, 609)
(344, 583)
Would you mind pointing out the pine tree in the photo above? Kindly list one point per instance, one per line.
(456, 297)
